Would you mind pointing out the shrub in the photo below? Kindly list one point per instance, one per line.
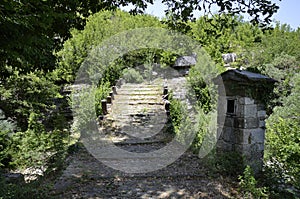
(283, 138)
(102, 91)
(35, 146)
(132, 76)
(248, 185)
(6, 130)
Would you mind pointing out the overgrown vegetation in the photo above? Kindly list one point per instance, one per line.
(34, 70)
(248, 185)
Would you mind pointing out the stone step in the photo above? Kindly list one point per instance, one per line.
(136, 118)
(129, 85)
(141, 102)
(160, 89)
(134, 92)
(136, 97)
(145, 121)
(137, 111)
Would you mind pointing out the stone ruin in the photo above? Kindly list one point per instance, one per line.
(241, 115)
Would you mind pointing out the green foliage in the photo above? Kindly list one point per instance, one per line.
(22, 191)
(282, 42)
(112, 73)
(258, 11)
(35, 146)
(176, 113)
(283, 136)
(31, 30)
(182, 125)
(201, 91)
(6, 130)
(132, 76)
(167, 58)
(99, 27)
(248, 185)
(102, 91)
(22, 94)
(229, 163)
(84, 107)
(225, 34)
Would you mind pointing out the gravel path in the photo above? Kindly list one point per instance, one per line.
(87, 177)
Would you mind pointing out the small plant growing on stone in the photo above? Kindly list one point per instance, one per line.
(145, 110)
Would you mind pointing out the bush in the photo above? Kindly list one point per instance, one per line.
(99, 27)
(283, 138)
(6, 130)
(102, 91)
(22, 94)
(132, 76)
(35, 146)
(248, 185)
(22, 191)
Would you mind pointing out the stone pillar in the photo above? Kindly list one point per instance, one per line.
(111, 94)
(165, 93)
(108, 99)
(241, 115)
(104, 107)
(167, 107)
(249, 134)
(114, 89)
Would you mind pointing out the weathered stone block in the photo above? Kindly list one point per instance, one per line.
(219, 132)
(222, 105)
(243, 149)
(262, 124)
(221, 120)
(261, 114)
(257, 135)
(261, 148)
(227, 134)
(249, 110)
(236, 91)
(249, 136)
(246, 100)
(241, 136)
(229, 122)
(246, 123)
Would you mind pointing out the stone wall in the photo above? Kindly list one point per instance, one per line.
(243, 131)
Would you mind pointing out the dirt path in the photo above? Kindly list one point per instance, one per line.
(87, 177)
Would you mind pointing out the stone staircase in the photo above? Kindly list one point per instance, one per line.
(137, 113)
(137, 127)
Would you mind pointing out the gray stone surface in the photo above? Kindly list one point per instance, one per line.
(246, 123)
(261, 114)
(249, 110)
(229, 57)
(185, 61)
(246, 100)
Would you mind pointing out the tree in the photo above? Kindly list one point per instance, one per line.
(259, 10)
(32, 29)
